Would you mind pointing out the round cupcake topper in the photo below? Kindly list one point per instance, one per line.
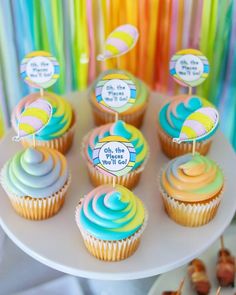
(120, 41)
(198, 125)
(34, 118)
(116, 92)
(114, 155)
(189, 67)
(40, 69)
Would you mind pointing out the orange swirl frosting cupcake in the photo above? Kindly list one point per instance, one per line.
(191, 186)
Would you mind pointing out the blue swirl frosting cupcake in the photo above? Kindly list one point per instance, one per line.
(111, 221)
(129, 132)
(36, 181)
(171, 119)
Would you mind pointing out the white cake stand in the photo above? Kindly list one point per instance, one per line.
(165, 245)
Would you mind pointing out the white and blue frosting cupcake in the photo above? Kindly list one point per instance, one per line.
(36, 181)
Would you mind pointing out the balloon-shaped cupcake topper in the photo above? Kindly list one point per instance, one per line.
(40, 69)
(119, 42)
(114, 156)
(189, 68)
(198, 125)
(33, 119)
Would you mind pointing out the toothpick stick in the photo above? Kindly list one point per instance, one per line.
(116, 116)
(194, 147)
(218, 291)
(34, 141)
(190, 90)
(222, 247)
(118, 62)
(114, 181)
(180, 286)
(222, 242)
(41, 92)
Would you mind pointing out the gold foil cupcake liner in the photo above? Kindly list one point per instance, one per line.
(111, 250)
(191, 215)
(37, 208)
(97, 178)
(173, 149)
(61, 144)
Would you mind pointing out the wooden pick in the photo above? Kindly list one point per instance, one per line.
(218, 291)
(180, 287)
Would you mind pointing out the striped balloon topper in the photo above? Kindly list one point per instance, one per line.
(189, 67)
(119, 42)
(116, 92)
(114, 156)
(198, 125)
(40, 69)
(34, 118)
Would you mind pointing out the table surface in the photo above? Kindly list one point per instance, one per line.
(57, 242)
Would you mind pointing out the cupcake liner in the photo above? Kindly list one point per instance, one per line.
(61, 144)
(134, 118)
(37, 208)
(97, 178)
(173, 149)
(111, 250)
(192, 215)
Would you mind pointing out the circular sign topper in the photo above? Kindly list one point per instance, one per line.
(114, 155)
(189, 67)
(40, 69)
(116, 92)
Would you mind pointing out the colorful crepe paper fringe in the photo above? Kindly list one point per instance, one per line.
(75, 33)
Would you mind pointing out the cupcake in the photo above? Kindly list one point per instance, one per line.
(111, 221)
(59, 132)
(191, 187)
(170, 121)
(126, 131)
(36, 181)
(134, 115)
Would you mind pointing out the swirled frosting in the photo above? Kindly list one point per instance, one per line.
(142, 90)
(61, 118)
(122, 129)
(35, 172)
(111, 213)
(173, 114)
(192, 178)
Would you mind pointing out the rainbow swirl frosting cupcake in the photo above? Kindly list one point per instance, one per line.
(130, 133)
(59, 131)
(134, 115)
(191, 186)
(36, 181)
(171, 119)
(111, 221)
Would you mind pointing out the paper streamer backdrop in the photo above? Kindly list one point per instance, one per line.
(74, 31)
